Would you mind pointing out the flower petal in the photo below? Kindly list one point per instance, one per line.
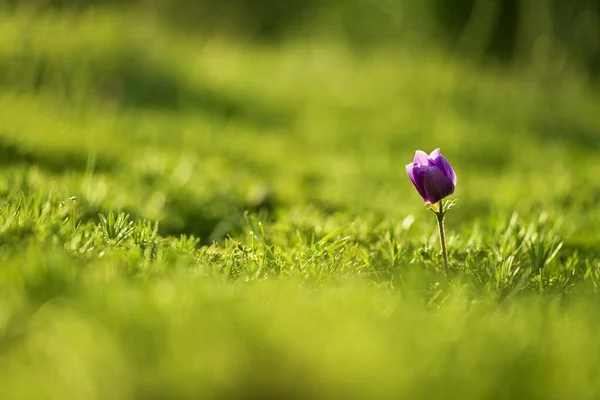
(437, 185)
(440, 161)
(421, 158)
(409, 172)
(435, 154)
(416, 173)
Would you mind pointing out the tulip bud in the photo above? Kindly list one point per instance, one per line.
(432, 176)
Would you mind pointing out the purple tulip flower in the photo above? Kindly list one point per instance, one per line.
(432, 175)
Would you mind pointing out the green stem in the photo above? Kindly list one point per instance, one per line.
(440, 219)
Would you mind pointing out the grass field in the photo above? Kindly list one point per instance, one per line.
(243, 226)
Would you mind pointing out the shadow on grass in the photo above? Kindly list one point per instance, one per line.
(141, 83)
(549, 119)
(214, 219)
(210, 219)
(131, 80)
(571, 132)
(12, 154)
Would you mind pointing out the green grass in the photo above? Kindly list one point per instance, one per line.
(244, 227)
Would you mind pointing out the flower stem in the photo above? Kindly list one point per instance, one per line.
(440, 219)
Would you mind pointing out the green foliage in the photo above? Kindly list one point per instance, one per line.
(208, 218)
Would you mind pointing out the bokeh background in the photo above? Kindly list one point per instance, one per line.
(211, 107)
(550, 34)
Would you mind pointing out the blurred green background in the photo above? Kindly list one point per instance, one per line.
(244, 226)
(257, 104)
(547, 32)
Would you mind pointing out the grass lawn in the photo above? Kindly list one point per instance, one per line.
(208, 218)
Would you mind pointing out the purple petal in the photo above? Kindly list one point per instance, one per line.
(435, 154)
(416, 173)
(409, 172)
(437, 185)
(421, 158)
(440, 161)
